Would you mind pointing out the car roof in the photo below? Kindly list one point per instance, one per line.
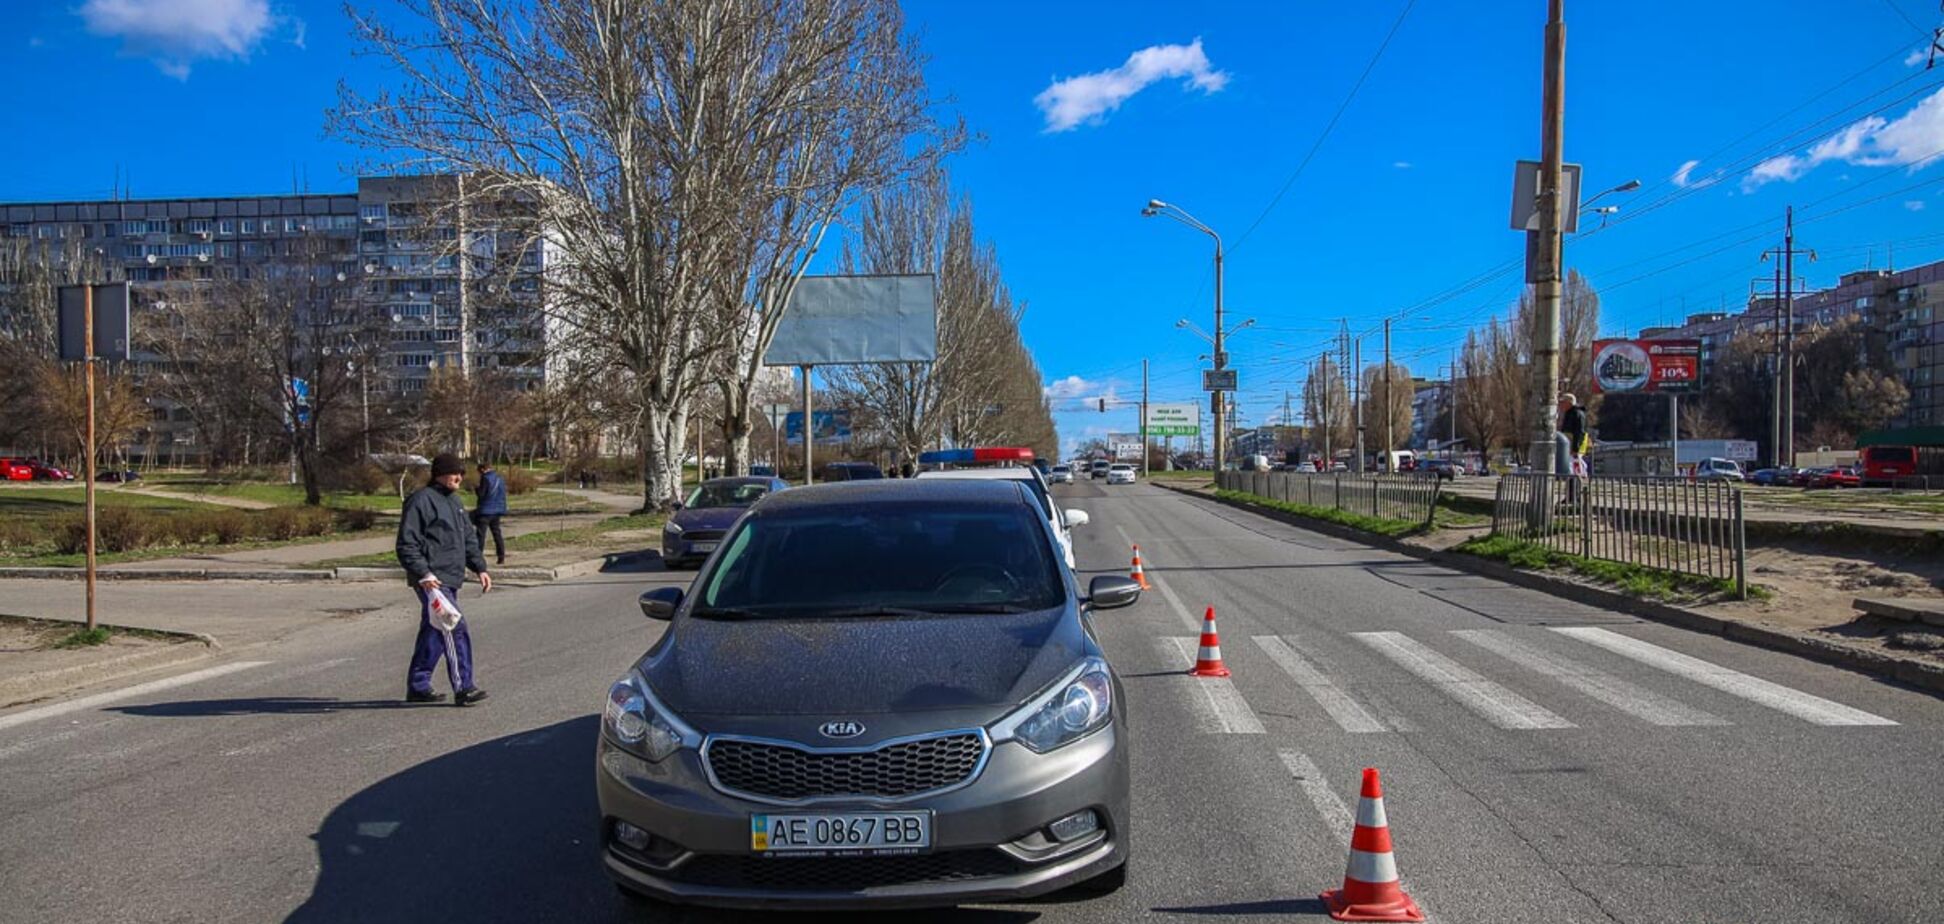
(1016, 473)
(848, 495)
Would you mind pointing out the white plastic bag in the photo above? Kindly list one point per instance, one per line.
(445, 614)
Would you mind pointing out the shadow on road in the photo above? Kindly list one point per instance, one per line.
(504, 830)
(1275, 906)
(267, 705)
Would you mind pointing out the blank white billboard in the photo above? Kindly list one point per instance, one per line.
(842, 320)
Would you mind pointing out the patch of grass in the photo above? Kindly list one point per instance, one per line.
(381, 502)
(1635, 580)
(1378, 525)
(84, 638)
(30, 502)
(590, 534)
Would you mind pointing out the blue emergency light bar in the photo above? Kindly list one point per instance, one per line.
(986, 454)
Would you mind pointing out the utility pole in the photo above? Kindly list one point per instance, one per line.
(1543, 247)
(1221, 356)
(1784, 409)
(1146, 469)
(1451, 451)
(1356, 399)
(1775, 377)
(1323, 392)
(88, 471)
(1390, 436)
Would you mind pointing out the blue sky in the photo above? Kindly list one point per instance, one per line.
(1405, 201)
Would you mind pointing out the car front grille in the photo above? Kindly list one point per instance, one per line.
(906, 768)
(841, 874)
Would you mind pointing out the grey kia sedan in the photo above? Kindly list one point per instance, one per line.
(875, 695)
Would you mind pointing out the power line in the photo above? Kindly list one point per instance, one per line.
(1328, 128)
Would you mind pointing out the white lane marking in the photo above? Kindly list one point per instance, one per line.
(140, 689)
(1222, 708)
(1329, 806)
(1348, 715)
(1636, 701)
(1802, 705)
(1495, 703)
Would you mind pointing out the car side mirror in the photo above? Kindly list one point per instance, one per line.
(661, 602)
(1111, 592)
(1077, 517)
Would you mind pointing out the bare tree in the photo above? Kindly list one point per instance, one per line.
(1327, 402)
(1401, 395)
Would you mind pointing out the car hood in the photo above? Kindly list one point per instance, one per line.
(707, 517)
(858, 666)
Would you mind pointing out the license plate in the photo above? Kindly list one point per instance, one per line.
(838, 834)
(702, 546)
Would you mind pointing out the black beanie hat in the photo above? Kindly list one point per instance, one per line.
(446, 463)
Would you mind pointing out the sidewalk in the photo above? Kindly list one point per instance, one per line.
(1780, 506)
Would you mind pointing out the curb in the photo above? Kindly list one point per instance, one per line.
(42, 684)
(168, 574)
(1920, 674)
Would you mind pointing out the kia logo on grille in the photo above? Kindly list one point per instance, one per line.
(841, 729)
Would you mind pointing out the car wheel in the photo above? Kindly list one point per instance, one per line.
(1100, 886)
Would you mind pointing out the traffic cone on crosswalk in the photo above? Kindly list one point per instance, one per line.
(1208, 661)
(1371, 889)
(1139, 576)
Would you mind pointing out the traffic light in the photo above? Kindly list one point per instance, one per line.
(1103, 405)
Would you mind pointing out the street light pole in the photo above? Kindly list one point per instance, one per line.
(1158, 207)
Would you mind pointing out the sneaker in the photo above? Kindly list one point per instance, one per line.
(468, 697)
(426, 696)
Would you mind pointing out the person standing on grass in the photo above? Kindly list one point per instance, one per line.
(491, 505)
(435, 547)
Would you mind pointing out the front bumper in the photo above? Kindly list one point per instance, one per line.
(988, 838)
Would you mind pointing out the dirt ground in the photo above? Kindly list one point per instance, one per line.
(1814, 588)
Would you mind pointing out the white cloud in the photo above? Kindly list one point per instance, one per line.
(1912, 140)
(174, 34)
(1681, 176)
(1915, 205)
(1917, 56)
(1072, 386)
(1401, 164)
(1089, 97)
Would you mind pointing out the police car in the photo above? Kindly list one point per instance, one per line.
(1014, 463)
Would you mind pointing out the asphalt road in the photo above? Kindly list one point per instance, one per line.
(1542, 761)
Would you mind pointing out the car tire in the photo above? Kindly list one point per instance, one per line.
(1100, 886)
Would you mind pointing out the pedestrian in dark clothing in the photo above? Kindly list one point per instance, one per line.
(905, 470)
(435, 547)
(1571, 443)
(487, 510)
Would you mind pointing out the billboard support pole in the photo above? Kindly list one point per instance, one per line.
(88, 470)
(809, 472)
(1146, 469)
(1674, 429)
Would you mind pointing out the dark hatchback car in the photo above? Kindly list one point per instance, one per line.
(850, 471)
(874, 696)
(696, 529)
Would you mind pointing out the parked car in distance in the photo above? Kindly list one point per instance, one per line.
(1806, 477)
(1120, 474)
(694, 531)
(1306, 468)
(1842, 476)
(1718, 469)
(1099, 468)
(763, 471)
(15, 470)
(119, 476)
(849, 471)
(1770, 476)
(1883, 465)
(1061, 474)
(1444, 469)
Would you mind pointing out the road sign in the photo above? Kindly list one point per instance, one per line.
(1646, 366)
(1174, 420)
(1525, 197)
(1218, 380)
(110, 322)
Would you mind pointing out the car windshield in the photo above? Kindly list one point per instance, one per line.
(728, 494)
(884, 559)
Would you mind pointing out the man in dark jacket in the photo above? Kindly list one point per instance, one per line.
(489, 508)
(435, 547)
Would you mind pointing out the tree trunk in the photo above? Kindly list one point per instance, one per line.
(662, 445)
(736, 425)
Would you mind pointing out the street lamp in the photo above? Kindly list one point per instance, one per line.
(1628, 186)
(1157, 207)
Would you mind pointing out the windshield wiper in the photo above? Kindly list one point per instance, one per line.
(723, 612)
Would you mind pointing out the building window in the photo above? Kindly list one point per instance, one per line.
(226, 249)
(253, 248)
(372, 212)
(226, 226)
(415, 360)
(249, 226)
(197, 226)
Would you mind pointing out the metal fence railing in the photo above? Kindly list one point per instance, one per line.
(1412, 499)
(1670, 524)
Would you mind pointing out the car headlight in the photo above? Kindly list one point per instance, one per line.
(638, 722)
(673, 527)
(1079, 704)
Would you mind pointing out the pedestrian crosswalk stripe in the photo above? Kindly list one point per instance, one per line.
(1629, 698)
(1802, 705)
(140, 689)
(1350, 716)
(1495, 703)
(1222, 706)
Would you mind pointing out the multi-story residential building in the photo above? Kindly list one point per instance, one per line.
(392, 237)
(1900, 306)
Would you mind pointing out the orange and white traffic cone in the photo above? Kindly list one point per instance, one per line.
(1371, 889)
(1139, 576)
(1208, 661)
